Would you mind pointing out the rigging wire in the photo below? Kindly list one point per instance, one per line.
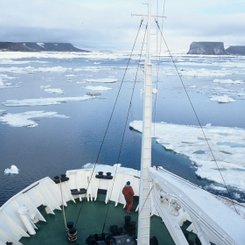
(131, 98)
(196, 115)
(126, 123)
(111, 116)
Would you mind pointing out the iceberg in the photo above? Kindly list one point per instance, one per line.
(45, 101)
(227, 144)
(12, 170)
(25, 119)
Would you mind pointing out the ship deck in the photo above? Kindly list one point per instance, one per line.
(93, 216)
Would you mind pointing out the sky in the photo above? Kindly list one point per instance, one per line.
(109, 25)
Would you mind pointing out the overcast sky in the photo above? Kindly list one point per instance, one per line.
(108, 24)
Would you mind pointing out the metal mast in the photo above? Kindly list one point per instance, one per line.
(145, 184)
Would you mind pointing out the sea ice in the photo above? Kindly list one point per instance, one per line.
(64, 55)
(97, 88)
(12, 170)
(24, 119)
(222, 99)
(228, 81)
(204, 72)
(227, 144)
(101, 80)
(31, 69)
(4, 81)
(1, 112)
(45, 101)
(50, 90)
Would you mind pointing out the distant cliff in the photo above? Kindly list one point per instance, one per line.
(215, 48)
(37, 47)
(236, 50)
(208, 48)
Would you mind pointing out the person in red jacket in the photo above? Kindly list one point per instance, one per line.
(128, 193)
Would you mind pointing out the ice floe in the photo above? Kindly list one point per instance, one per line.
(64, 55)
(228, 81)
(4, 83)
(97, 88)
(227, 144)
(12, 170)
(45, 101)
(32, 69)
(50, 90)
(204, 72)
(25, 119)
(2, 112)
(222, 99)
(101, 80)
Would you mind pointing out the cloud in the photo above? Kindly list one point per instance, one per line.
(100, 23)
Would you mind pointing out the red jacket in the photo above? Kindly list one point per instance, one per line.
(128, 193)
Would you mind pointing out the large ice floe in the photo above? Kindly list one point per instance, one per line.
(227, 144)
(45, 101)
(26, 119)
(12, 170)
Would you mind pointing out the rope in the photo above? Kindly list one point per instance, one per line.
(196, 116)
(111, 116)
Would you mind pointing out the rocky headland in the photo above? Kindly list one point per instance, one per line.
(38, 47)
(215, 48)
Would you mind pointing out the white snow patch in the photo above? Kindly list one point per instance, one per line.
(12, 170)
(97, 88)
(227, 144)
(101, 80)
(24, 119)
(41, 44)
(222, 99)
(45, 101)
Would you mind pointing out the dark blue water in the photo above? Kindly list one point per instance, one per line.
(57, 145)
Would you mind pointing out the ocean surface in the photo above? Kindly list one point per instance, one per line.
(55, 108)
